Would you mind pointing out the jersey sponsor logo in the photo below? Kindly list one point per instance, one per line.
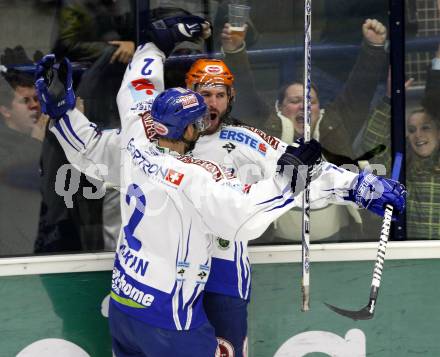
(225, 348)
(174, 177)
(203, 273)
(215, 170)
(148, 167)
(223, 243)
(160, 128)
(149, 126)
(124, 291)
(241, 137)
(156, 172)
(143, 84)
(213, 69)
(229, 147)
(181, 269)
(272, 141)
(188, 101)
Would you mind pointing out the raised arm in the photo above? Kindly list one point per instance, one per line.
(249, 107)
(142, 82)
(93, 152)
(347, 114)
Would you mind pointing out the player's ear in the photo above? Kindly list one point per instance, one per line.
(190, 132)
(5, 112)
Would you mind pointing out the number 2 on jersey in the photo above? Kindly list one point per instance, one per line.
(134, 191)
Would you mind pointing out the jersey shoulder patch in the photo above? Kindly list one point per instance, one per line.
(218, 173)
(271, 140)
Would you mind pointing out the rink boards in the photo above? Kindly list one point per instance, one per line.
(51, 303)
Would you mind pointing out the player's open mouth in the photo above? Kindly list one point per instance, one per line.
(213, 116)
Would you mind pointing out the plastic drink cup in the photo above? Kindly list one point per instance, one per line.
(238, 15)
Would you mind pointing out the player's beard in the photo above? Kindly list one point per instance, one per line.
(190, 144)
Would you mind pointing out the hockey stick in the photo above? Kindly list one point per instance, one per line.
(367, 312)
(339, 160)
(305, 238)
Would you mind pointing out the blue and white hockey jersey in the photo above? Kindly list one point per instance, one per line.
(173, 207)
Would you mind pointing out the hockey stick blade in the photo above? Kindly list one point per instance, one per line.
(362, 314)
(367, 312)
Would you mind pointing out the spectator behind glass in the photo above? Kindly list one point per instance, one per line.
(20, 147)
(422, 156)
(60, 228)
(336, 126)
(101, 32)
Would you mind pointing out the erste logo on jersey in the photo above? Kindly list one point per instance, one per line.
(242, 137)
(174, 177)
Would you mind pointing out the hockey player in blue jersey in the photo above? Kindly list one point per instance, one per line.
(170, 206)
(157, 283)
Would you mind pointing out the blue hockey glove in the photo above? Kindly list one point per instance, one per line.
(54, 86)
(374, 193)
(169, 26)
(301, 157)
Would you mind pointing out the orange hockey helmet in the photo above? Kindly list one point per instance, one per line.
(209, 72)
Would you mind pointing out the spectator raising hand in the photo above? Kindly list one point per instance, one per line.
(124, 52)
(232, 43)
(374, 32)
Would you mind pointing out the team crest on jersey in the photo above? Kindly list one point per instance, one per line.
(225, 348)
(223, 243)
(243, 138)
(229, 147)
(174, 177)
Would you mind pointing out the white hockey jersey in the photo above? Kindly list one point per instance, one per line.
(173, 207)
(252, 155)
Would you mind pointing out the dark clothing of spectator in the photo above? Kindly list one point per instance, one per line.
(342, 119)
(19, 158)
(422, 173)
(86, 26)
